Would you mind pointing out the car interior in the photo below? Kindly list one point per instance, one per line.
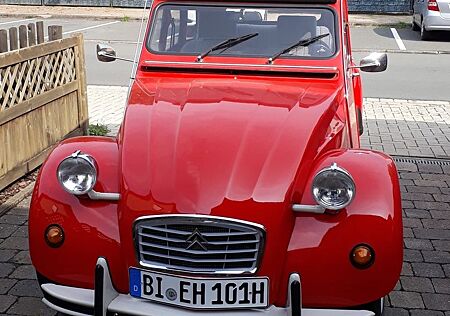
(197, 31)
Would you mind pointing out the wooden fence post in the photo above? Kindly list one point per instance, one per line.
(54, 32)
(13, 39)
(31, 34)
(80, 64)
(23, 38)
(3, 41)
(40, 32)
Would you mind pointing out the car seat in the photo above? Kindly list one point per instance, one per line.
(213, 28)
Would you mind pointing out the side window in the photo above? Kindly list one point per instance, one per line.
(191, 24)
(172, 28)
(348, 47)
(347, 38)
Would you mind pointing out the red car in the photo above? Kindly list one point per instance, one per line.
(236, 185)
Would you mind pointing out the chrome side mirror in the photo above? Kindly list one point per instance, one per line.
(375, 62)
(105, 53)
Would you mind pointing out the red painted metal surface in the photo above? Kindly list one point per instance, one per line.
(243, 146)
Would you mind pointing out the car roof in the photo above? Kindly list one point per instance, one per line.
(289, 1)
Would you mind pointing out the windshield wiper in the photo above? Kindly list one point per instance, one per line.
(227, 44)
(304, 43)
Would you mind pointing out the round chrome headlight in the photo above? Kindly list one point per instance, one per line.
(77, 173)
(333, 188)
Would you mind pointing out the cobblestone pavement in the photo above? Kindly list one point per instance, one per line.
(424, 287)
(107, 106)
(407, 127)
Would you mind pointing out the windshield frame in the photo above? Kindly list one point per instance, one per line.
(231, 4)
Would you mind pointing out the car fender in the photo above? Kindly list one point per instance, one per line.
(90, 227)
(320, 245)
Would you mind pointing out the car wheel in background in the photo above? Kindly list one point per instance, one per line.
(424, 34)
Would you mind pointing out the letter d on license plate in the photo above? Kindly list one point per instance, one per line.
(198, 292)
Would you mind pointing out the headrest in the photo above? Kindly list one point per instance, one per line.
(252, 16)
(291, 29)
(215, 24)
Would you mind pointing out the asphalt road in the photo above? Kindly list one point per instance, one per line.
(417, 69)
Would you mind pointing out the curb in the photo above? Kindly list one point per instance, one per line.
(13, 201)
(70, 16)
(397, 51)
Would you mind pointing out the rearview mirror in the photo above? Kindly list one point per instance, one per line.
(375, 62)
(105, 53)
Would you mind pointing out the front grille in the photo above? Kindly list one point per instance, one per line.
(199, 244)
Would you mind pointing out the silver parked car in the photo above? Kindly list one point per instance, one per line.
(431, 15)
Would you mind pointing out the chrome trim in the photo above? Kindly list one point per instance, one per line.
(125, 304)
(173, 231)
(211, 242)
(188, 63)
(105, 54)
(108, 292)
(197, 251)
(315, 209)
(260, 231)
(197, 260)
(292, 278)
(335, 167)
(89, 159)
(91, 193)
(366, 65)
(100, 196)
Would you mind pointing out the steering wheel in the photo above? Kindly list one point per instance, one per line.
(321, 49)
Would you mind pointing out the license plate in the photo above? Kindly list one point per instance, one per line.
(199, 293)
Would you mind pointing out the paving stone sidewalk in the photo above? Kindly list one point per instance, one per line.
(106, 106)
(423, 290)
(408, 127)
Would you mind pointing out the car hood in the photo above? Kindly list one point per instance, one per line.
(193, 142)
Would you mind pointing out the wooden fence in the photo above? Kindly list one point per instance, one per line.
(43, 100)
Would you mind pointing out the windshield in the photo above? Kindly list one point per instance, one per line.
(196, 29)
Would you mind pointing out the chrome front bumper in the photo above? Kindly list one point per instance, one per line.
(105, 300)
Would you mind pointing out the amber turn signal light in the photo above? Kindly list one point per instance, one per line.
(362, 256)
(54, 236)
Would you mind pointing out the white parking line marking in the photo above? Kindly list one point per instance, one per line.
(399, 41)
(91, 27)
(17, 21)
